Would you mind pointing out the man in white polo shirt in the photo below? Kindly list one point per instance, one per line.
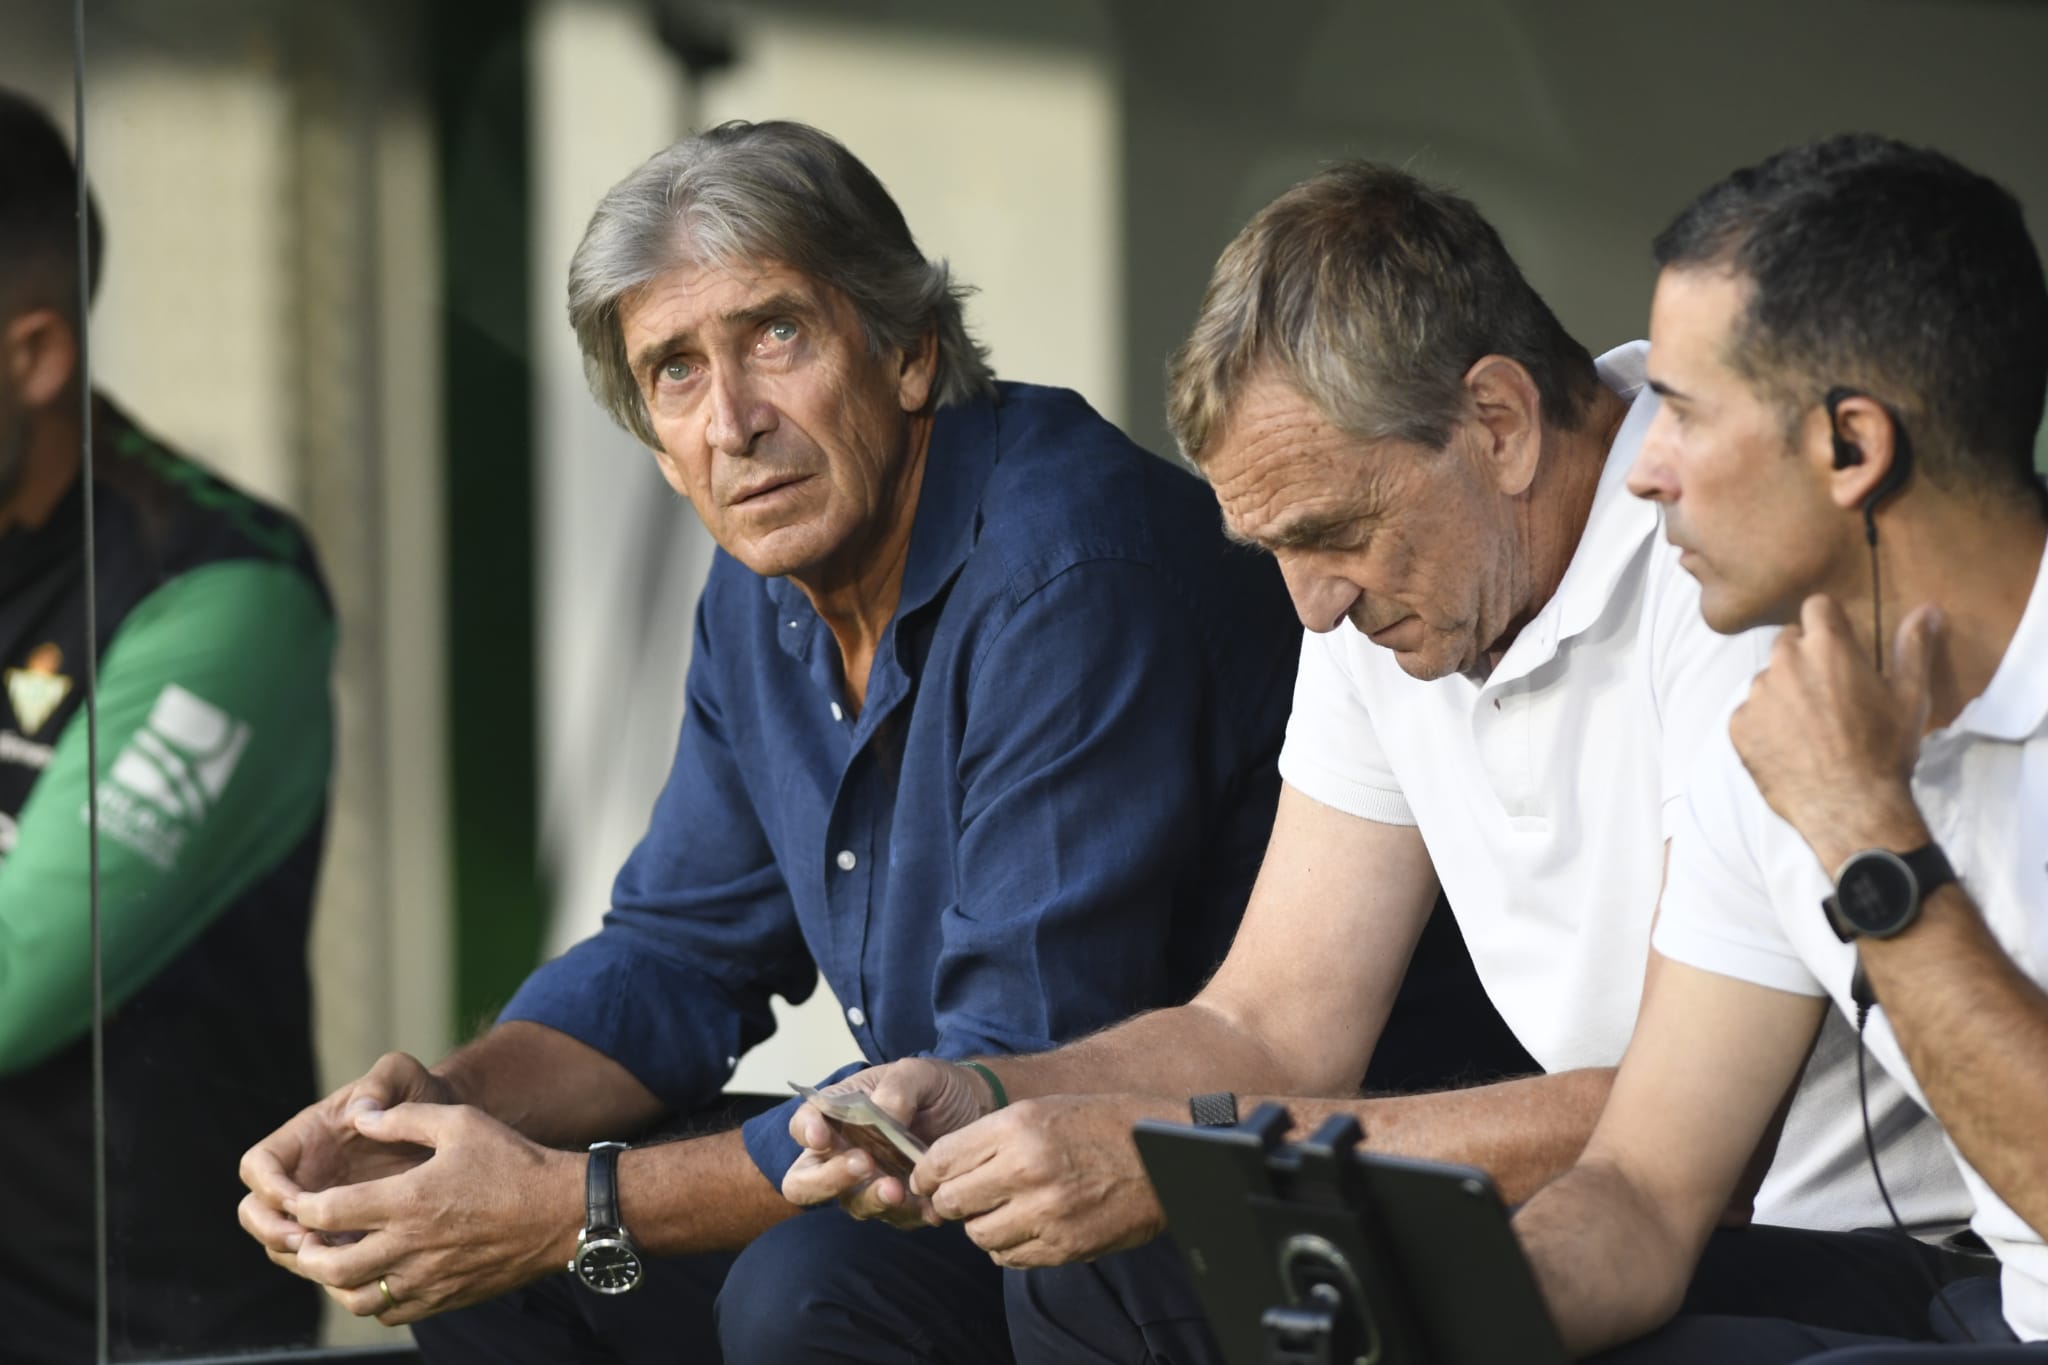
(1504, 683)
(1851, 340)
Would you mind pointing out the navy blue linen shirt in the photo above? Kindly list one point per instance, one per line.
(1047, 816)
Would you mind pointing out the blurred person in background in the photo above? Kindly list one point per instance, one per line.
(214, 643)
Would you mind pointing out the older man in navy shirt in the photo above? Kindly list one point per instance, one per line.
(983, 716)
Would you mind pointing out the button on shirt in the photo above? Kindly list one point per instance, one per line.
(1046, 816)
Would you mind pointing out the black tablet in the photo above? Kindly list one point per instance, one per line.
(1317, 1252)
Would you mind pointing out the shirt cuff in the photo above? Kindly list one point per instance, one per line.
(767, 1137)
(626, 1005)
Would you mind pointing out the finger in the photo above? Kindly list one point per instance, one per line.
(954, 1155)
(1913, 659)
(263, 1171)
(396, 1078)
(362, 1300)
(1822, 615)
(351, 1208)
(819, 1180)
(356, 1263)
(809, 1128)
(422, 1124)
(275, 1231)
(999, 1231)
(972, 1193)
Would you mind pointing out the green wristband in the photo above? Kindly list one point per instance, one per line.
(995, 1083)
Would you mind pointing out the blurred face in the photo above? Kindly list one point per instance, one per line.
(1416, 548)
(790, 440)
(1746, 503)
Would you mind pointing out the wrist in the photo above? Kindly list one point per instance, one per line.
(1888, 820)
(561, 1190)
(989, 1092)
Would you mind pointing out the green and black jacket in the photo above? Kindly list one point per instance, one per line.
(215, 642)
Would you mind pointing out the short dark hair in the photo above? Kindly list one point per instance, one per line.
(1892, 269)
(39, 214)
(1372, 292)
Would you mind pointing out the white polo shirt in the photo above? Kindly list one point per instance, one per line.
(1545, 793)
(1745, 897)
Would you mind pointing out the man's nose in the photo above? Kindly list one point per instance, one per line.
(738, 414)
(1322, 600)
(1652, 474)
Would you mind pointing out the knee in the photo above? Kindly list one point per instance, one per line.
(792, 1293)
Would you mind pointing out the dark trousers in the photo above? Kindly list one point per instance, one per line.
(1823, 1288)
(819, 1287)
(1961, 1325)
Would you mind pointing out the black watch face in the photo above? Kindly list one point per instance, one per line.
(1876, 894)
(609, 1266)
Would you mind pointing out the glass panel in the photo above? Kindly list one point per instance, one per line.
(336, 237)
(49, 1250)
(272, 806)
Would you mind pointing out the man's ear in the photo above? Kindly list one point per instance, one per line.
(1857, 451)
(917, 370)
(40, 356)
(1510, 410)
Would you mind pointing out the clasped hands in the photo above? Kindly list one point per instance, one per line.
(1042, 1182)
(351, 1194)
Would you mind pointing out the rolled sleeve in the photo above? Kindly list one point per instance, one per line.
(701, 934)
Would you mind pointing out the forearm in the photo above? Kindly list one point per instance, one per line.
(1609, 1267)
(1974, 1029)
(699, 1194)
(554, 1089)
(1186, 1050)
(1523, 1133)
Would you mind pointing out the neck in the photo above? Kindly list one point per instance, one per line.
(48, 462)
(1981, 594)
(1558, 505)
(859, 600)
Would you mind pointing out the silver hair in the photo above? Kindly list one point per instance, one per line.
(751, 194)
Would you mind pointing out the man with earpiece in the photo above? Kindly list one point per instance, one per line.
(1850, 340)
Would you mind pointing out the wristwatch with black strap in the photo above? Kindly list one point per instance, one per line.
(607, 1261)
(1878, 893)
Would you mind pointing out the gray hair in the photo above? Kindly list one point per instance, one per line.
(1372, 293)
(755, 193)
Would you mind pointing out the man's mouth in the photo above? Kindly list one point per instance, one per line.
(763, 488)
(1383, 635)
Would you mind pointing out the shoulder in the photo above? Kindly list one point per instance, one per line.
(1067, 486)
(175, 515)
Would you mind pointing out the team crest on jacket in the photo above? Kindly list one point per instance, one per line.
(37, 689)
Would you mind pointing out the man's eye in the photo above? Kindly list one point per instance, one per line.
(782, 332)
(676, 371)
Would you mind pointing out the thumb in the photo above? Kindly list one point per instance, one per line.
(1912, 677)
(426, 1125)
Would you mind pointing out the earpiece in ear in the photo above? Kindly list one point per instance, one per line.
(1847, 452)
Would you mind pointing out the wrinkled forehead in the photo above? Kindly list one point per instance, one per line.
(1285, 474)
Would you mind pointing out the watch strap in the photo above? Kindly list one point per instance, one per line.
(1215, 1110)
(1930, 869)
(601, 1187)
